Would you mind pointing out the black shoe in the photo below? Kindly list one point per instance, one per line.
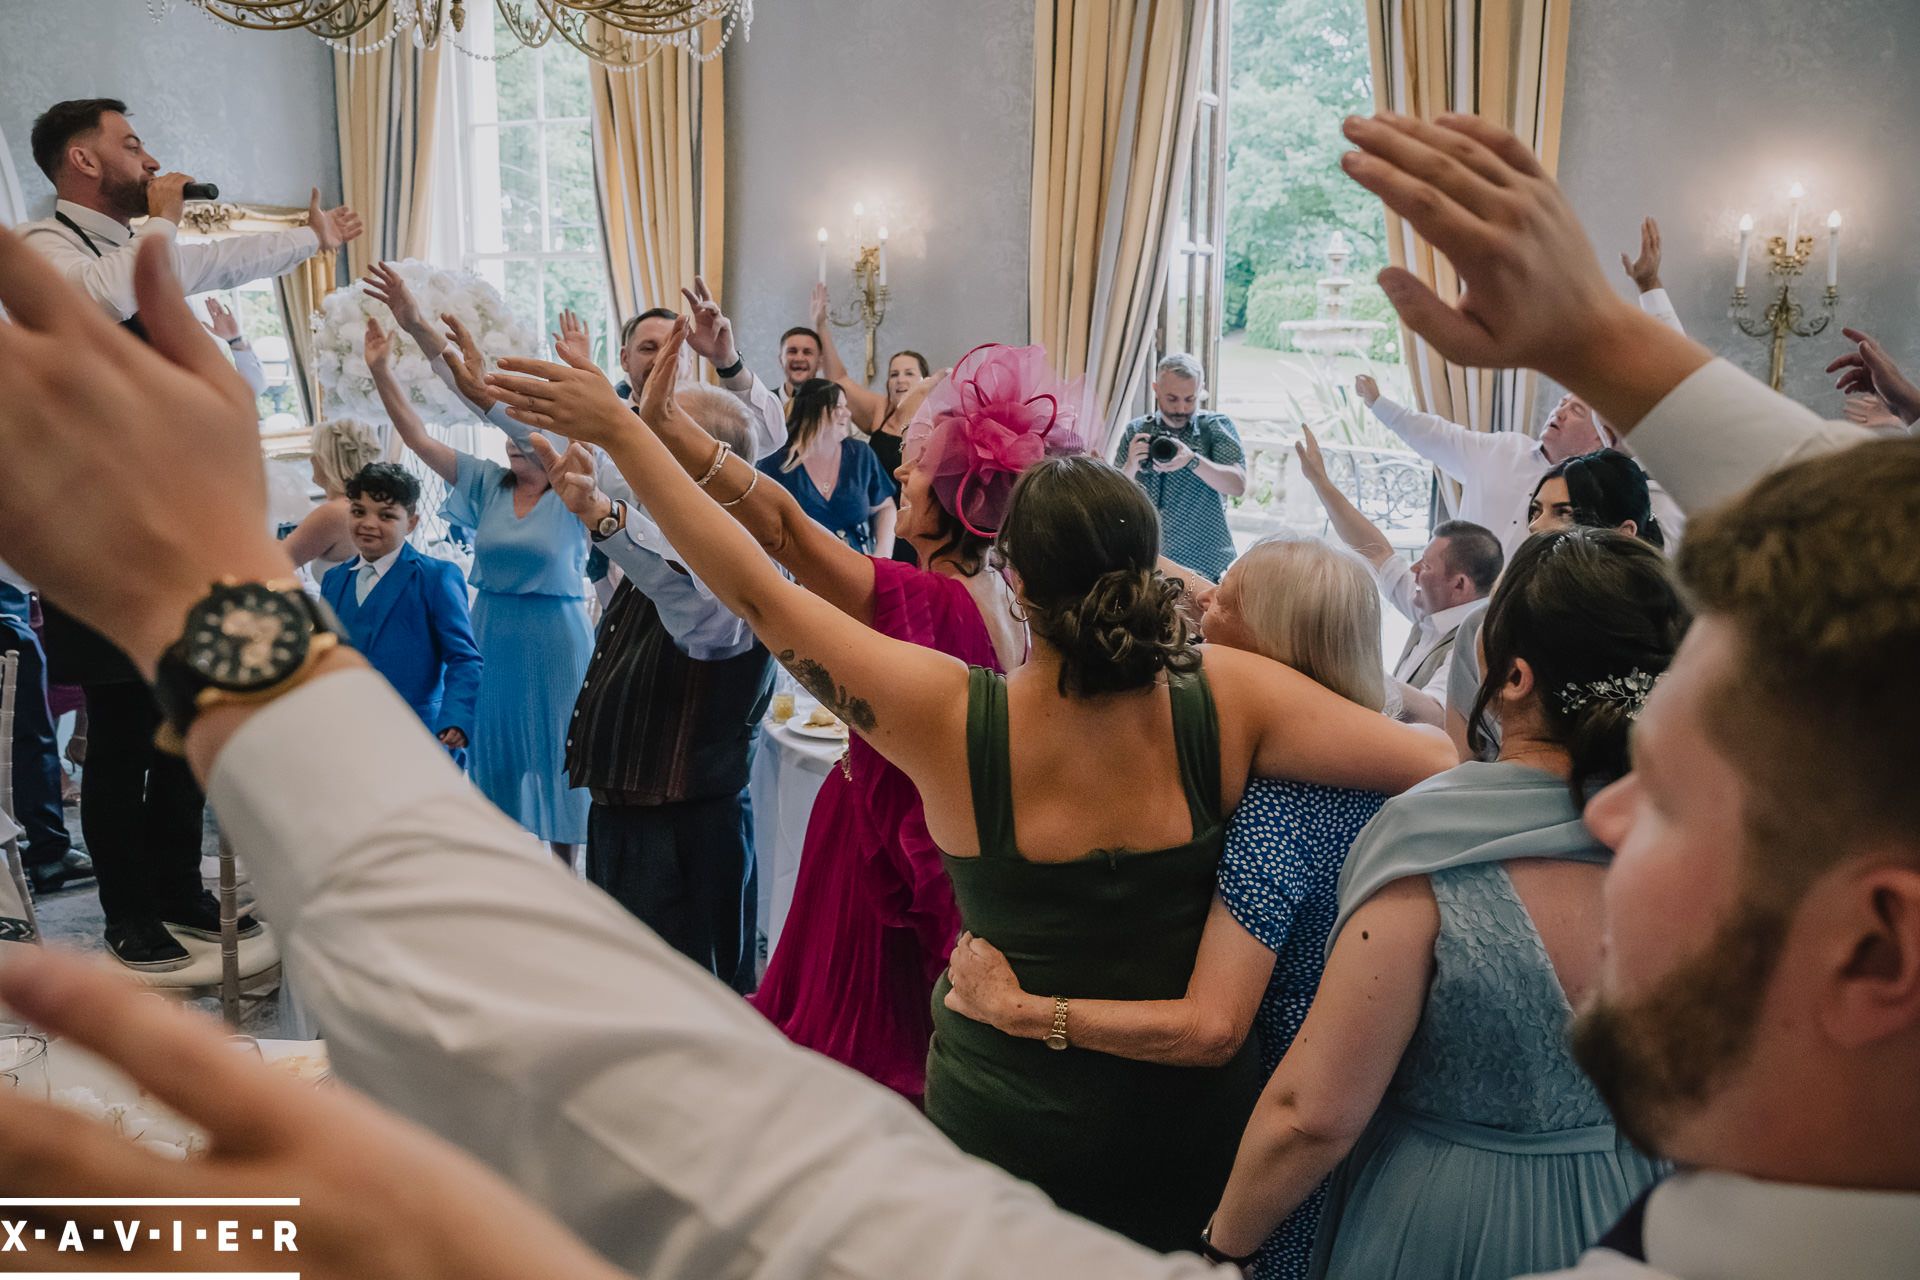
(147, 946)
(200, 918)
(72, 867)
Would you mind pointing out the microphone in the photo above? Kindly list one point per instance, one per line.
(201, 191)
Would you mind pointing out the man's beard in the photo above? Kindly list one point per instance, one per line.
(1659, 1058)
(127, 199)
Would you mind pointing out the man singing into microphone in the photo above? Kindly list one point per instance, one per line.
(140, 810)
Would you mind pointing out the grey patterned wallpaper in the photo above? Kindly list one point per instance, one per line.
(1698, 112)
(250, 110)
(926, 107)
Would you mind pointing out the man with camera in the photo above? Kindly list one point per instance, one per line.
(1189, 462)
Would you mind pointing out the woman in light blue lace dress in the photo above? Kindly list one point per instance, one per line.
(1432, 1075)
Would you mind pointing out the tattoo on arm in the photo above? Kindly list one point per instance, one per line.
(818, 681)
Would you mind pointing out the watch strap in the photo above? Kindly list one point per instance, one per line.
(732, 370)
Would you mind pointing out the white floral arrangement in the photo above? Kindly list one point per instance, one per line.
(340, 332)
(163, 1134)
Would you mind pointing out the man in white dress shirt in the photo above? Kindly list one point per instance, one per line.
(141, 813)
(676, 1132)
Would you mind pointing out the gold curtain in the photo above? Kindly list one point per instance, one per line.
(387, 106)
(299, 293)
(1113, 115)
(1505, 61)
(659, 171)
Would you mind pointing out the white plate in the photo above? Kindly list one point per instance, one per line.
(835, 732)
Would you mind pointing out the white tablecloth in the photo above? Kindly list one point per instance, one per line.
(787, 772)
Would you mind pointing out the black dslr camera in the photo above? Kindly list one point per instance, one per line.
(1162, 447)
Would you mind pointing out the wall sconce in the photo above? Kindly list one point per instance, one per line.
(1787, 257)
(869, 307)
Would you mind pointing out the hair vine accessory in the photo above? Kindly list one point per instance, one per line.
(1631, 690)
(1002, 410)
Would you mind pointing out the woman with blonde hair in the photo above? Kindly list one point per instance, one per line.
(1304, 602)
(341, 446)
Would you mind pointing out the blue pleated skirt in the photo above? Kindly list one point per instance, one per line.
(536, 649)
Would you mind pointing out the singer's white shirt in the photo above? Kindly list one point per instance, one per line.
(108, 278)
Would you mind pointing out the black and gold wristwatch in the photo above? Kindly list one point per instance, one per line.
(245, 642)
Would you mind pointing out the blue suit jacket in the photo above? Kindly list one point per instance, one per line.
(415, 629)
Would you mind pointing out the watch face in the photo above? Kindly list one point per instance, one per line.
(247, 637)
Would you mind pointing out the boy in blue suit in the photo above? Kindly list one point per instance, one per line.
(406, 612)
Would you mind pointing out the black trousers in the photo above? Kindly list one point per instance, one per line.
(687, 871)
(140, 809)
(36, 749)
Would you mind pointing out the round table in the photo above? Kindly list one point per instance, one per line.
(788, 769)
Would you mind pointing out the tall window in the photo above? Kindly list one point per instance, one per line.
(1190, 313)
(530, 220)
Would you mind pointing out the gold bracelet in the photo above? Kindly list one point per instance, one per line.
(744, 492)
(719, 460)
(1057, 1038)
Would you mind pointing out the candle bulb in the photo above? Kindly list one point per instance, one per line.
(1746, 239)
(823, 255)
(1795, 194)
(1833, 250)
(883, 256)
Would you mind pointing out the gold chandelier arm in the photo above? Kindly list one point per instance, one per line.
(330, 19)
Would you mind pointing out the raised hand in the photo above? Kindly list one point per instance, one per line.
(1871, 412)
(817, 310)
(657, 403)
(1367, 388)
(572, 476)
(1644, 270)
(385, 284)
(378, 346)
(222, 323)
(711, 337)
(573, 343)
(468, 365)
(103, 433)
(1868, 368)
(359, 1172)
(1534, 295)
(578, 403)
(332, 227)
(1313, 463)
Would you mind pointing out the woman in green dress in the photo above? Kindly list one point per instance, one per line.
(1079, 800)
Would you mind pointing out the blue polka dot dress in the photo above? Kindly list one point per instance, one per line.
(1280, 877)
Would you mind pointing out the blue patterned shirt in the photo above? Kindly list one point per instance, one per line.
(1280, 877)
(1193, 514)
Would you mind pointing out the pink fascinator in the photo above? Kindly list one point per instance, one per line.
(1001, 411)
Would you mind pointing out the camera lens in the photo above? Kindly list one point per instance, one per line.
(1163, 449)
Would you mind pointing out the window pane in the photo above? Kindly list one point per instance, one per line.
(573, 218)
(257, 309)
(523, 294)
(582, 285)
(515, 77)
(520, 188)
(565, 73)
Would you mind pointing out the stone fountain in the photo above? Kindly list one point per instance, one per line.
(1333, 332)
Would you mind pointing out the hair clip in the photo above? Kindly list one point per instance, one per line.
(1630, 690)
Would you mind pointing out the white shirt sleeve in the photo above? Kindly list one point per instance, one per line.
(1447, 445)
(1657, 304)
(234, 260)
(108, 278)
(1720, 430)
(469, 983)
(768, 426)
(247, 365)
(1394, 577)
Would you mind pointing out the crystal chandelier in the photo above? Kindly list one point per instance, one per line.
(618, 33)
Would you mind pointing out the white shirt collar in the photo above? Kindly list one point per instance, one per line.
(94, 223)
(1709, 1225)
(384, 563)
(1439, 624)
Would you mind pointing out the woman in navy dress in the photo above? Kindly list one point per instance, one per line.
(529, 619)
(1313, 606)
(836, 479)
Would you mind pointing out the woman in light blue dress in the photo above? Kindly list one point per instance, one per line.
(1432, 1076)
(529, 619)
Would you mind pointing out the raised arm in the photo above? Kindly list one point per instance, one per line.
(1348, 521)
(441, 458)
(906, 701)
(1325, 1091)
(869, 407)
(1303, 731)
(1203, 1028)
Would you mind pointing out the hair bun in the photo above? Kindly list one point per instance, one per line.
(1125, 631)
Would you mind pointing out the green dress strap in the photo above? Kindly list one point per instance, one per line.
(1196, 742)
(988, 768)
